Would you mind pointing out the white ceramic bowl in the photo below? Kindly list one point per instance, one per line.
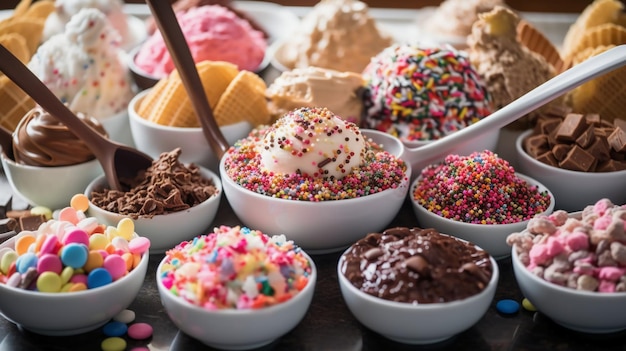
(317, 227)
(573, 190)
(60, 314)
(237, 329)
(168, 230)
(52, 187)
(417, 323)
(154, 139)
(583, 311)
(490, 237)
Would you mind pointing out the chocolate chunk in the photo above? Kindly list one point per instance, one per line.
(7, 225)
(618, 156)
(586, 138)
(31, 222)
(603, 132)
(536, 145)
(560, 151)
(599, 149)
(548, 158)
(593, 119)
(619, 123)
(571, 128)
(373, 254)
(577, 159)
(547, 125)
(417, 264)
(611, 166)
(617, 140)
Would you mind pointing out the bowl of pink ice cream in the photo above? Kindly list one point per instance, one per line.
(213, 33)
(572, 267)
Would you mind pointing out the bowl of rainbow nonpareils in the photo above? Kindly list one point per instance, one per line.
(72, 275)
(236, 288)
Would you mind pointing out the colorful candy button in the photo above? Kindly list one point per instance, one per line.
(114, 328)
(140, 331)
(507, 306)
(113, 344)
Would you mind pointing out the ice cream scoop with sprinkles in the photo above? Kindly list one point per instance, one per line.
(422, 94)
(310, 154)
(480, 188)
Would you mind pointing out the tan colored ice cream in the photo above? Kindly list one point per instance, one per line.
(335, 34)
(509, 69)
(317, 87)
(456, 17)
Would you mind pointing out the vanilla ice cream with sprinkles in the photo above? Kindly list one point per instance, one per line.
(236, 268)
(311, 154)
(423, 93)
(481, 188)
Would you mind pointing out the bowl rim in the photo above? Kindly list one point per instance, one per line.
(492, 285)
(561, 289)
(134, 116)
(12, 163)
(561, 171)
(216, 197)
(108, 289)
(236, 312)
(476, 226)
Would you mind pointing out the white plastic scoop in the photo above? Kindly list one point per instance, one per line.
(435, 151)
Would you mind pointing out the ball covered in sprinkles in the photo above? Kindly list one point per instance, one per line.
(422, 94)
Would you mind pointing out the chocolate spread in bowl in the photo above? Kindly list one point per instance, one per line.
(415, 265)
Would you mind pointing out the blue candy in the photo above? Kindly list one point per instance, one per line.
(507, 306)
(25, 261)
(115, 328)
(74, 255)
(98, 277)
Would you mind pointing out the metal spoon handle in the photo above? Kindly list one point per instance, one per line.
(23, 77)
(184, 62)
(541, 95)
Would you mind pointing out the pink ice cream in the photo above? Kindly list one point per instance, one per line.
(214, 33)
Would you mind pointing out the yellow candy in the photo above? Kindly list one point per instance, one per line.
(41, 210)
(98, 241)
(66, 274)
(528, 305)
(79, 202)
(113, 344)
(8, 258)
(126, 228)
(49, 282)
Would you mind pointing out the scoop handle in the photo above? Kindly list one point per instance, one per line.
(541, 95)
(179, 51)
(23, 77)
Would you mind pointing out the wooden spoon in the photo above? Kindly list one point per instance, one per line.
(119, 162)
(183, 60)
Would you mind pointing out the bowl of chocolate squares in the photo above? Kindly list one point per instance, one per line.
(580, 157)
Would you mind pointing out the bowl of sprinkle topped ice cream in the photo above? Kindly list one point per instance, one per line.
(571, 266)
(420, 94)
(236, 288)
(479, 198)
(315, 178)
(417, 286)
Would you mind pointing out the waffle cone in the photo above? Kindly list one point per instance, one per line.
(597, 13)
(601, 35)
(169, 104)
(40, 9)
(243, 100)
(30, 28)
(14, 103)
(17, 45)
(21, 8)
(538, 43)
(603, 95)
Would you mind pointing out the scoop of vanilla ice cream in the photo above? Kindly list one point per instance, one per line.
(312, 141)
(84, 66)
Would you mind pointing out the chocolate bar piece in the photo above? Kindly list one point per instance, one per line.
(593, 118)
(7, 225)
(600, 149)
(548, 158)
(536, 145)
(611, 166)
(617, 140)
(571, 128)
(577, 159)
(586, 138)
(31, 222)
(560, 151)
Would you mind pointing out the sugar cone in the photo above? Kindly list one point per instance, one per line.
(40, 9)
(538, 43)
(14, 103)
(169, 104)
(21, 8)
(243, 100)
(601, 35)
(603, 95)
(597, 13)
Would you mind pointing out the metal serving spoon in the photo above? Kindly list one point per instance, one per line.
(118, 161)
(183, 60)
(435, 151)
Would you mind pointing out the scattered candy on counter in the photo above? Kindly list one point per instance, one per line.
(71, 253)
(235, 268)
(528, 306)
(507, 306)
(480, 188)
(584, 252)
(121, 325)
